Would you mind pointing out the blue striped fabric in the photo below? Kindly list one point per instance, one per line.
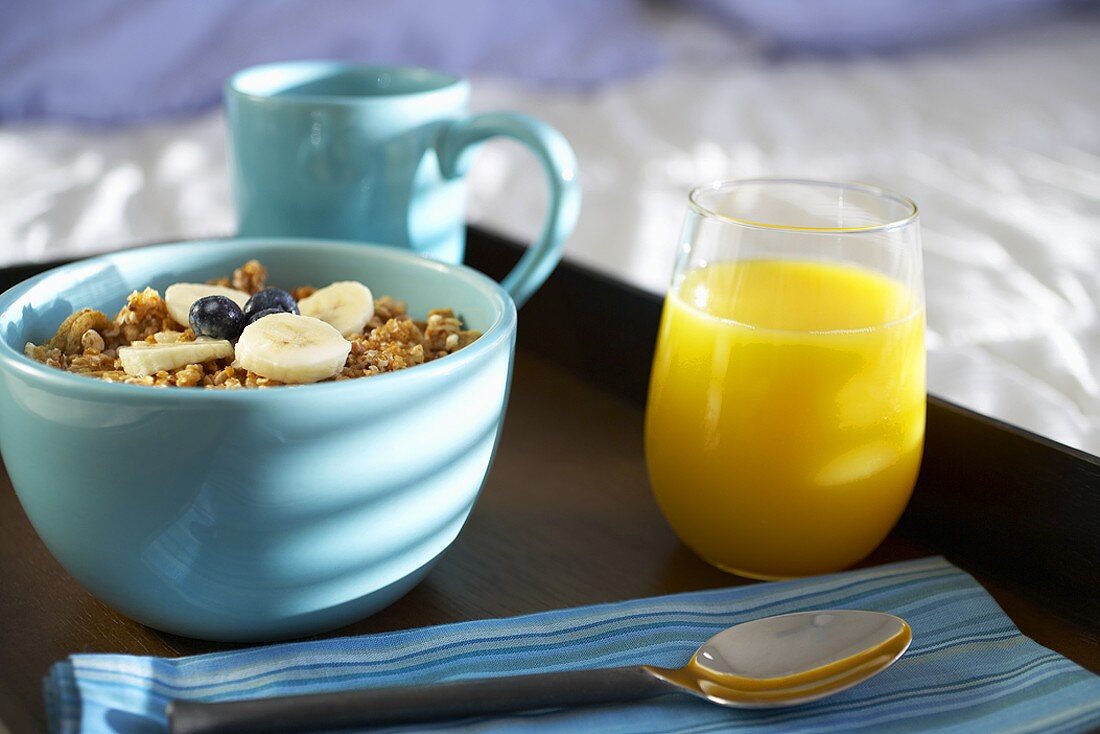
(969, 669)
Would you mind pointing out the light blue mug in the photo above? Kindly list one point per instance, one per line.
(377, 154)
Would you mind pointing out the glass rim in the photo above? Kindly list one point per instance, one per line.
(876, 191)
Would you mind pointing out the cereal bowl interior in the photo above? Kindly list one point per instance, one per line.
(252, 514)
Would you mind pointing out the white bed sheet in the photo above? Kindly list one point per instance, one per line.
(999, 143)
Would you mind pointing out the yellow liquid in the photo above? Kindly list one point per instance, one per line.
(785, 420)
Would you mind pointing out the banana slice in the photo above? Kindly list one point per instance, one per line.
(290, 348)
(347, 305)
(148, 359)
(178, 297)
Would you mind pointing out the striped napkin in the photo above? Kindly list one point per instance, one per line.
(968, 670)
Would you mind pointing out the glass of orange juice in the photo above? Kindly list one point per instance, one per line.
(785, 419)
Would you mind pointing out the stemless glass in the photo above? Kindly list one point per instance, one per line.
(785, 421)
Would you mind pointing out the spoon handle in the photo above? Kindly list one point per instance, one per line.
(406, 704)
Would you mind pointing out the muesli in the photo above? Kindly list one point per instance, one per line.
(234, 332)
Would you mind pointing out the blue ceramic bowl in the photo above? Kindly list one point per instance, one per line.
(252, 514)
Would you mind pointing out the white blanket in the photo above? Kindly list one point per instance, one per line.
(998, 142)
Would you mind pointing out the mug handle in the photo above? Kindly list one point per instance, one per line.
(455, 148)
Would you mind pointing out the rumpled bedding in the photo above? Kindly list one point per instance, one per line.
(997, 140)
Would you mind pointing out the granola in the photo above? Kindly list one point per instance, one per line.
(89, 342)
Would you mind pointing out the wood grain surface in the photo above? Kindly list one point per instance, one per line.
(565, 519)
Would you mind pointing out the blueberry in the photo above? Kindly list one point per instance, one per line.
(267, 299)
(216, 316)
(266, 312)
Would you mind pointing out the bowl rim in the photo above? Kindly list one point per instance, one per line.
(502, 327)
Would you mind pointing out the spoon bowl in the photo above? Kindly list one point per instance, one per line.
(786, 660)
(791, 659)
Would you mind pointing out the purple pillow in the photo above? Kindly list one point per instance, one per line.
(112, 61)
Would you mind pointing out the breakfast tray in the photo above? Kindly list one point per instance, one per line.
(566, 517)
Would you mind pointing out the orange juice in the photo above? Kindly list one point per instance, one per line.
(785, 420)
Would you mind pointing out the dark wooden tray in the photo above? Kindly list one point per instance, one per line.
(566, 517)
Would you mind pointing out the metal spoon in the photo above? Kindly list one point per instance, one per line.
(777, 661)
